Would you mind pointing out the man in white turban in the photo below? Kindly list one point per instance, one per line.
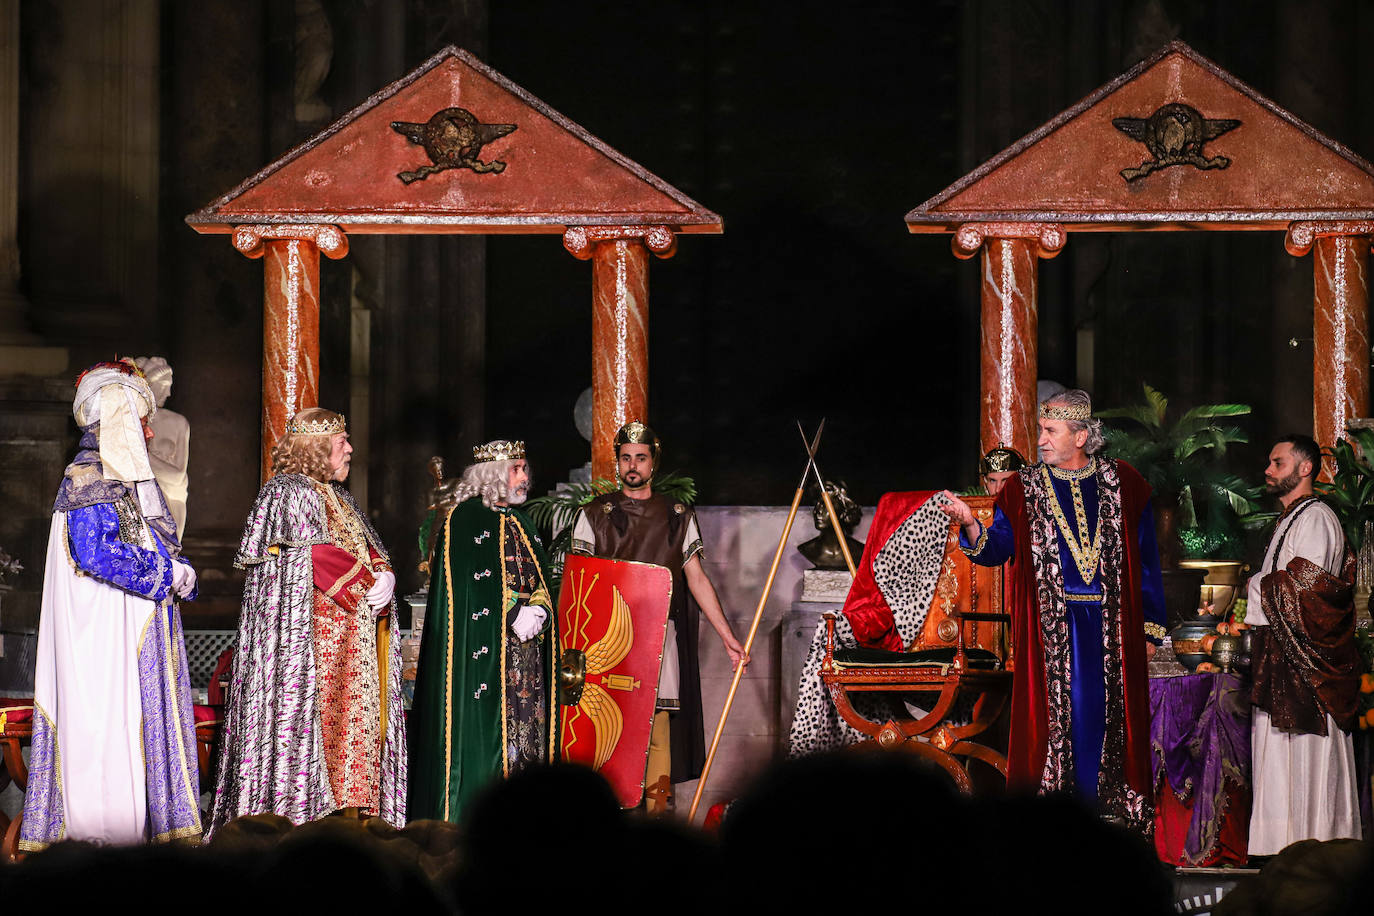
(114, 757)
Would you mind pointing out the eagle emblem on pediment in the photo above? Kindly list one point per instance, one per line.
(453, 139)
(1174, 135)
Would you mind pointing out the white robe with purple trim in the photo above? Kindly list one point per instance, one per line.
(113, 756)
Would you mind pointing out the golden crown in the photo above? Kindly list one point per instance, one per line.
(323, 427)
(1050, 411)
(499, 450)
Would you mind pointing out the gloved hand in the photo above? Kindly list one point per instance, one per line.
(183, 578)
(529, 620)
(379, 595)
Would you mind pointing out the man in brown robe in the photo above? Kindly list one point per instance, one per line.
(634, 523)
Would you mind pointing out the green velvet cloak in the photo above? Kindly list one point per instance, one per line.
(458, 721)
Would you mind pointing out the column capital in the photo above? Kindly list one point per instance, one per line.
(580, 240)
(330, 240)
(968, 238)
(1301, 235)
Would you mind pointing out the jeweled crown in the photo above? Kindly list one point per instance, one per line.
(323, 427)
(499, 450)
(1050, 411)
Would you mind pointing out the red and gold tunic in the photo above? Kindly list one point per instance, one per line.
(351, 646)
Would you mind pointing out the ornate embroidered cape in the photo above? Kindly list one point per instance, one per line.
(114, 756)
(279, 744)
(485, 703)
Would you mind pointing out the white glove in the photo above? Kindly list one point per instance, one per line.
(379, 595)
(183, 578)
(528, 622)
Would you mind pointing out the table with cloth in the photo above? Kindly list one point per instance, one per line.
(1200, 745)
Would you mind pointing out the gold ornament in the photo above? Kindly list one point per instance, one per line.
(1002, 458)
(327, 427)
(499, 450)
(639, 434)
(1050, 411)
(1086, 552)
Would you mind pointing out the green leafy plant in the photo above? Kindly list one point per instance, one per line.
(1351, 490)
(555, 512)
(1198, 502)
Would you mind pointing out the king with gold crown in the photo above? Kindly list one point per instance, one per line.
(1086, 599)
(484, 692)
(313, 721)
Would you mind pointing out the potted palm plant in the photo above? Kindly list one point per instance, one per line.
(1197, 502)
(1351, 493)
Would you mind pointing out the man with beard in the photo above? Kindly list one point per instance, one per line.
(634, 523)
(1305, 663)
(313, 719)
(1084, 592)
(484, 692)
(114, 755)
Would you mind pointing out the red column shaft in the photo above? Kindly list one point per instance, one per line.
(1340, 355)
(1010, 324)
(620, 344)
(290, 336)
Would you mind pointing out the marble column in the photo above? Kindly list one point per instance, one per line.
(291, 318)
(1340, 322)
(1009, 326)
(620, 326)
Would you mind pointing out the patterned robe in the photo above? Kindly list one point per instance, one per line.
(484, 701)
(114, 756)
(313, 719)
(1083, 601)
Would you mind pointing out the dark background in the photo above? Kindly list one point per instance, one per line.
(811, 128)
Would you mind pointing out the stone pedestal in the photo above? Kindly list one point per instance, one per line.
(823, 591)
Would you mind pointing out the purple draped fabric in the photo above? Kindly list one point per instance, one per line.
(1200, 738)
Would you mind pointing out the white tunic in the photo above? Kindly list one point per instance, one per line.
(1304, 785)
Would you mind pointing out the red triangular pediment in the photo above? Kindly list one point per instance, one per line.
(555, 173)
(1069, 171)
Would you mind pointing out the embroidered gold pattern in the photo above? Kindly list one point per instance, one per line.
(1087, 554)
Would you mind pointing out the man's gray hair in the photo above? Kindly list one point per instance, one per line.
(1077, 397)
(487, 479)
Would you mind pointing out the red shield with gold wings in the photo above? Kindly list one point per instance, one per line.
(612, 615)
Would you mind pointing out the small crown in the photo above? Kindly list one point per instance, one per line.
(1050, 411)
(499, 450)
(317, 427)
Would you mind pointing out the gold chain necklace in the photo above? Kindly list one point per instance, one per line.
(1086, 556)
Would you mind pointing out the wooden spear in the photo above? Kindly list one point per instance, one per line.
(758, 615)
(830, 508)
